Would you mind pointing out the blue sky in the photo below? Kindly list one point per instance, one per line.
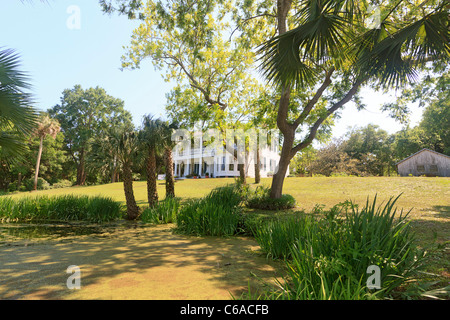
(57, 57)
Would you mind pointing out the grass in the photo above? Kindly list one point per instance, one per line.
(427, 198)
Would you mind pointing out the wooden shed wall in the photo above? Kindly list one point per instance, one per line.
(425, 159)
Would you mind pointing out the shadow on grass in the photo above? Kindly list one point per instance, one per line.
(139, 263)
(442, 211)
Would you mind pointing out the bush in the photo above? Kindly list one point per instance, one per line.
(42, 184)
(260, 199)
(12, 186)
(62, 184)
(217, 214)
(61, 208)
(163, 212)
(328, 258)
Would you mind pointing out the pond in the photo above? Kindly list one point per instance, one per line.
(59, 230)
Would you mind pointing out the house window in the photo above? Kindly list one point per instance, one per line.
(421, 168)
(433, 168)
(265, 164)
(223, 164)
(231, 164)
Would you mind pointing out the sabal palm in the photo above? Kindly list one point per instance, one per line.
(169, 144)
(126, 144)
(46, 127)
(151, 141)
(17, 117)
(336, 33)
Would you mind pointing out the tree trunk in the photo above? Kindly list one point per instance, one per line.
(132, 208)
(170, 182)
(81, 174)
(285, 158)
(242, 175)
(38, 163)
(152, 192)
(114, 171)
(19, 180)
(257, 163)
(283, 7)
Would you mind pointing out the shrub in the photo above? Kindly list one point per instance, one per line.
(12, 186)
(328, 258)
(42, 184)
(260, 199)
(62, 184)
(163, 212)
(217, 214)
(61, 208)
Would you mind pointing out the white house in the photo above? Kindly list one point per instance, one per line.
(222, 163)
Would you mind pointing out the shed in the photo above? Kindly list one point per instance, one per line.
(425, 162)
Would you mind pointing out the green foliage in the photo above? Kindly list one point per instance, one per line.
(163, 212)
(94, 111)
(216, 214)
(61, 208)
(62, 184)
(42, 184)
(260, 199)
(327, 258)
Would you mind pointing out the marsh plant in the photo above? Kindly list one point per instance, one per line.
(164, 211)
(327, 258)
(217, 214)
(60, 208)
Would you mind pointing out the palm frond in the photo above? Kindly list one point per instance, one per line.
(393, 59)
(321, 37)
(16, 112)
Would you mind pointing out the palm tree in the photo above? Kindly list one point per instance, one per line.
(126, 144)
(169, 144)
(17, 118)
(46, 127)
(333, 51)
(151, 137)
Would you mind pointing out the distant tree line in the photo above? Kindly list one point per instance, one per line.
(371, 151)
(80, 141)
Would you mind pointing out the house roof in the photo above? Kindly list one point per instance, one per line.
(424, 149)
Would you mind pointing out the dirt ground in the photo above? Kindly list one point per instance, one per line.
(141, 263)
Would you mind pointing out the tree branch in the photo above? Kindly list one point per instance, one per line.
(313, 131)
(197, 86)
(251, 18)
(314, 100)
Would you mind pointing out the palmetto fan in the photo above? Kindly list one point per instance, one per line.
(333, 33)
(17, 117)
